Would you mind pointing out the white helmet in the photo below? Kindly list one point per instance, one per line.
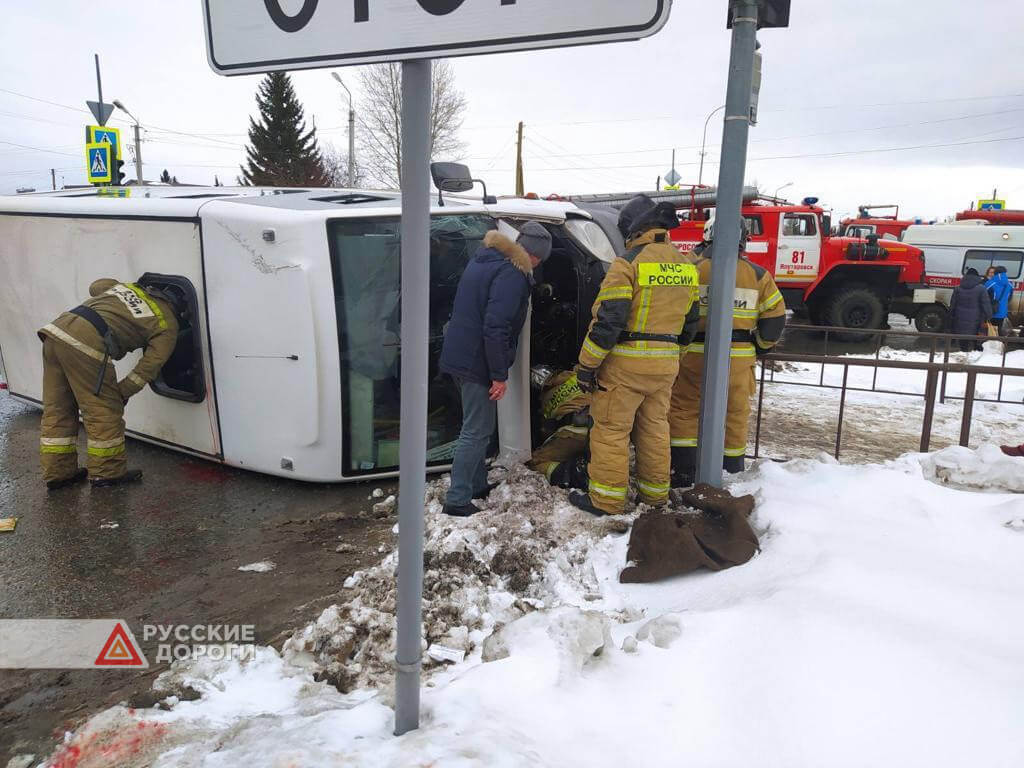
(709, 233)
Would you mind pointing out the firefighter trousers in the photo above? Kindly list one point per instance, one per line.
(629, 405)
(69, 380)
(684, 416)
(566, 444)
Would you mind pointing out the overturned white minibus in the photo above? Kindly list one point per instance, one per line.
(288, 360)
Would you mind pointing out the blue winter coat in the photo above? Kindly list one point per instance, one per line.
(1000, 289)
(490, 309)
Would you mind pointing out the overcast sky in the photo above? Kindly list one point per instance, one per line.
(868, 101)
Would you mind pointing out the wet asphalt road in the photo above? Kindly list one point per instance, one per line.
(173, 557)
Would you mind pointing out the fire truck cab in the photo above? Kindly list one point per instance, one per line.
(886, 226)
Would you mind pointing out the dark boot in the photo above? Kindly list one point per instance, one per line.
(560, 475)
(684, 467)
(734, 464)
(79, 476)
(481, 495)
(582, 501)
(130, 476)
(463, 510)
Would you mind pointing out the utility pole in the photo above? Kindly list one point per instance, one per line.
(725, 249)
(53, 178)
(351, 132)
(138, 141)
(703, 142)
(520, 183)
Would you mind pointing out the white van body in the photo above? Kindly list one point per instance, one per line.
(297, 337)
(951, 249)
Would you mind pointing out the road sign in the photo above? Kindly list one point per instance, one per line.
(672, 178)
(100, 134)
(100, 110)
(98, 161)
(991, 205)
(243, 36)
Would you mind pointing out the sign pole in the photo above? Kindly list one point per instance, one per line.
(99, 87)
(715, 390)
(415, 182)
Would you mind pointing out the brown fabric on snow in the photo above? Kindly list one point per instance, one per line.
(666, 543)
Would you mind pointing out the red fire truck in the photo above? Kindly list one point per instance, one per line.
(840, 281)
(886, 225)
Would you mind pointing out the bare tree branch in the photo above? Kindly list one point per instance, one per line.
(380, 119)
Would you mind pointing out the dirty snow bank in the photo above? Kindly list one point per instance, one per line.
(987, 468)
(880, 625)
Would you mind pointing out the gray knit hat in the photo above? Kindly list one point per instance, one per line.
(535, 240)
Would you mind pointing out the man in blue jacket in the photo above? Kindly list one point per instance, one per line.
(480, 346)
(1000, 289)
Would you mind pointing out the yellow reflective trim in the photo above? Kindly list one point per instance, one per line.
(67, 338)
(684, 442)
(621, 350)
(652, 490)
(57, 449)
(567, 390)
(106, 443)
(742, 314)
(617, 292)
(591, 348)
(770, 302)
(655, 275)
(152, 304)
(735, 452)
(747, 350)
(58, 440)
(610, 491)
(645, 310)
(137, 380)
(114, 451)
(572, 430)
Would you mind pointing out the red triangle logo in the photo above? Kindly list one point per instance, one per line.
(119, 650)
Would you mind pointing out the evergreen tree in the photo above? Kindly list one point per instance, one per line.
(281, 153)
(165, 177)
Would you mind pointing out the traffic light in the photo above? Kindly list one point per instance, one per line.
(117, 172)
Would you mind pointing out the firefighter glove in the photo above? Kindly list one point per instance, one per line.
(587, 380)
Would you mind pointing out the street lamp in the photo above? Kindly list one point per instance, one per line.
(138, 142)
(703, 140)
(779, 189)
(351, 132)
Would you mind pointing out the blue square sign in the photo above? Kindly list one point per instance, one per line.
(99, 134)
(98, 158)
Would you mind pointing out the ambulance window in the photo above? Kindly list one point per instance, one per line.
(755, 225)
(365, 263)
(981, 260)
(799, 225)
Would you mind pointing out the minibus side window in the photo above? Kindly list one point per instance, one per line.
(182, 377)
(981, 260)
(366, 268)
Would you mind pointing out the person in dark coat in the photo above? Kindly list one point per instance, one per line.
(970, 308)
(480, 346)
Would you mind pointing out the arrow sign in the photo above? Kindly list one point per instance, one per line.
(101, 111)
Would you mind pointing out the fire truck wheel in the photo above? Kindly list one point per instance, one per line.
(932, 318)
(856, 307)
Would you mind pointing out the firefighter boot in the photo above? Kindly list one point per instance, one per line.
(79, 476)
(130, 476)
(465, 510)
(582, 501)
(684, 467)
(734, 464)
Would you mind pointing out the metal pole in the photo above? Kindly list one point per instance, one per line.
(99, 88)
(704, 137)
(413, 445)
(138, 156)
(351, 144)
(968, 412)
(53, 178)
(726, 244)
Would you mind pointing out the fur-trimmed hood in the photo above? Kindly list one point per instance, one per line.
(514, 253)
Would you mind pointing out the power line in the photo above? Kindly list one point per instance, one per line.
(38, 149)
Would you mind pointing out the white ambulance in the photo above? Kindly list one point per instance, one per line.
(288, 360)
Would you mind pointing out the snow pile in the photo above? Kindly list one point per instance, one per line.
(526, 552)
(880, 625)
(987, 468)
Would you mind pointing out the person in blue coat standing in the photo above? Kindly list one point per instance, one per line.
(1000, 289)
(480, 346)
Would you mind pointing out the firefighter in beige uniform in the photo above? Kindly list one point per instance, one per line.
(758, 318)
(566, 407)
(119, 318)
(645, 312)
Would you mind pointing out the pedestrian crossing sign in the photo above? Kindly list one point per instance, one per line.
(98, 158)
(97, 134)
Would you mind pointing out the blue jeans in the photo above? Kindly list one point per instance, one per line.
(469, 473)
